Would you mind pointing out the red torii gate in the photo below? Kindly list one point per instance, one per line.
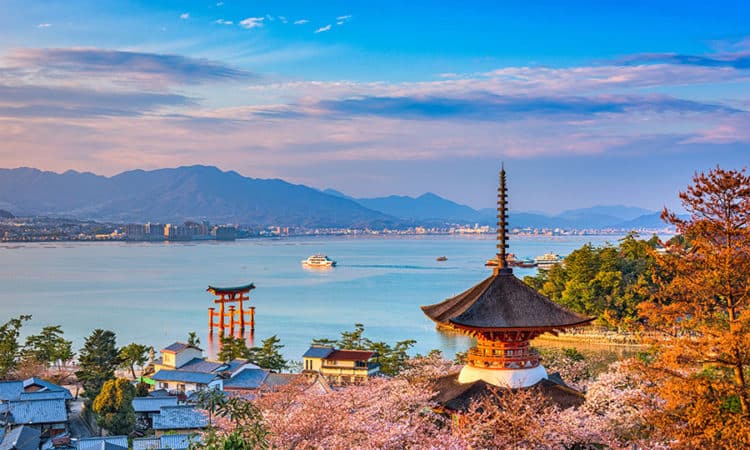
(231, 295)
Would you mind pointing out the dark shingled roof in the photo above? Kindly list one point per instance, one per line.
(502, 301)
(228, 290)
(457, 396)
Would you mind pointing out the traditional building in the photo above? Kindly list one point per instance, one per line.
(341, 366)
(504, 315)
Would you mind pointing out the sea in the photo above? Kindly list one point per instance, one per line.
(155, 293)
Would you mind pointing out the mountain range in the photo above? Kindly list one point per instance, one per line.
(198, 192)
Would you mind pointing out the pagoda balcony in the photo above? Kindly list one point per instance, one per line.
(476, 357)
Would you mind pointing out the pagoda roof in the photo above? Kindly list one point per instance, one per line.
(502, 301)
(456, 396)
(229, 290)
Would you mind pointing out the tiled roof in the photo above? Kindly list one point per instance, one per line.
(237, 364)
(45, 386)
(37, 411)
(201, 365)
(183, 376)
(246, 379)
(10, 390)
(177, 441)
(152, 404)
(146, 443)
(274, 380)
(168, 441)
(178, 347)
(103, 443)
(21, 438)
(181, 417)
(318, 352)
(351, 355)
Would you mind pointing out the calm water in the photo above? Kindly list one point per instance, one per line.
(155, 293)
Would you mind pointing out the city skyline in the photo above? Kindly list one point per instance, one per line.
(586, 104)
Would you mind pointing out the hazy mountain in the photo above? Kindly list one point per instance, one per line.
(426, 207)
(645, 221)
(173, 195)
(198, 192)
(614, 211)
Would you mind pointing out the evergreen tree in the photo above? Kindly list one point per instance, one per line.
(268, 355)
(49, 346)
(98, 360)
(9, 346)
(114, 406)
(133, 355)
(233, 348)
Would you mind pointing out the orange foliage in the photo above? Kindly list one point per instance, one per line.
(702, 305)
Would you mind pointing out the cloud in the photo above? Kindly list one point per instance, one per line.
(740, 61)
(46, 101)
(252, 22)
(344, 18)
(224, 22)
(492, 107)
(301, 21)
(141, 68)
(185, 16)
(44, 25)
(283, 19)
(323, 29)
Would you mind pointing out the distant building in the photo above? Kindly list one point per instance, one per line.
(341, 366)
(182, 369)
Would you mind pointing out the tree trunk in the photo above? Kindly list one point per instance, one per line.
(739, 379)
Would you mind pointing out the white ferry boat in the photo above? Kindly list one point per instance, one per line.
(547, 260)
(318, 261)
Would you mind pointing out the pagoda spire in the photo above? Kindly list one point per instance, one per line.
(502, 225)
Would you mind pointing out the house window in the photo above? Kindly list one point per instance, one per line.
(181, 387)
(360, 364)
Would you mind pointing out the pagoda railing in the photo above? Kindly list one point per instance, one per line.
(509, 358)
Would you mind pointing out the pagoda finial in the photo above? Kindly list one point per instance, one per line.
(502, 224)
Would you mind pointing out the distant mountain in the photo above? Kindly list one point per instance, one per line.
(650, 221)
(173, 195)
(6, 214)
(202, 192)
(616, 211)
(426, 207)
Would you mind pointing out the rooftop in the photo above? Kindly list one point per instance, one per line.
(177, 347)
(10, 390)
(103, 443)
(351, 355)
(36, 411)
(502, 301)
(21, 438)
(229, 290)
(152, 404)
(318, 352)
(181, 417)
(247, 379)
(184, 376)
(458, 396)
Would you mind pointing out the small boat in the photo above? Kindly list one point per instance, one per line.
(441, 258)
(547, 260)
(318, 261)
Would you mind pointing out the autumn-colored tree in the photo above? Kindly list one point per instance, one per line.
(702, 305)
(113, 406)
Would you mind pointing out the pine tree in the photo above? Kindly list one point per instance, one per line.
(98, 360)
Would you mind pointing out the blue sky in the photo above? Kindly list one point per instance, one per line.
(586, 102)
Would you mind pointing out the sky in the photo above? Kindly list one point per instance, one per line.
(586, 103)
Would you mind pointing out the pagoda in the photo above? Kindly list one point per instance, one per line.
(504, 315)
